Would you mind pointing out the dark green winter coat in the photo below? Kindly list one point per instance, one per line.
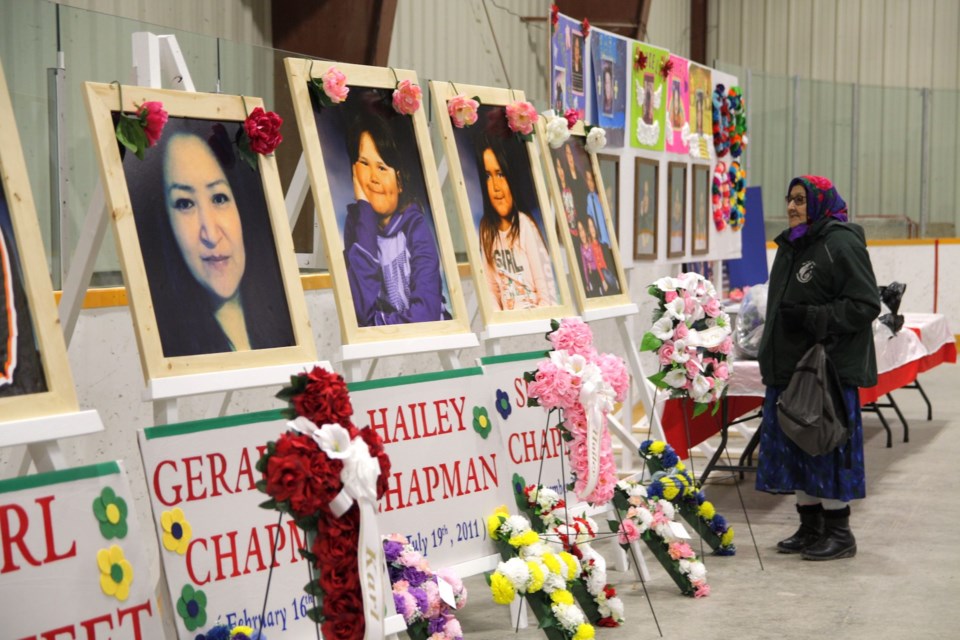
(829, 270)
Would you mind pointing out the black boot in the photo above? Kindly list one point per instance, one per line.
(811, 528)
(837, 540)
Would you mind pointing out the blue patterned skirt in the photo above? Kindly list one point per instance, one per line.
(783, 467)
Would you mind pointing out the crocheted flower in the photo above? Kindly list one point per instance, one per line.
(116, 574)
(504, 408)
(481, 422)
(111, 512)
(462, 110)
(192, 607)
(176, 531)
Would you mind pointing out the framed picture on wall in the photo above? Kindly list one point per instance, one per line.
(35, 375)
(676, 209)
(586, 225)
(203, 237)
(645, 207)
(610, 175)
(701, 210)
(504, 210)
(384, 226)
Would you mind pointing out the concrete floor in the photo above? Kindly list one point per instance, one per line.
(898, 586)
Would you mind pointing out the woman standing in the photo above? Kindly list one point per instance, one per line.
(821, 276)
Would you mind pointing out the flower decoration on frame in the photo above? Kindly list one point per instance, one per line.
(585, 28)
(259, 135)
(640, 60)
(463, 110)
(666, 67)
(557, 129)
(325, 477)
(406, 97)
(330, 88)
(554, 17)
(142, 129)
(596, 139)
(521, 118)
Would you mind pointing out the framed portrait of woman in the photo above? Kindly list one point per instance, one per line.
(645, 207)
(676, 209)
(701, 210)
(35, 375)
(202, 236)
(375, 182)
(504, 209)
(586, 225)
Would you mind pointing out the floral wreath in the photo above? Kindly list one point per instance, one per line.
(651, 519)
(547, 511)
(720, 195)
(723, 124)
(531, 568)
(691, 337)
(738, 126)
(416, 592)
(331, 89)
(738, 195)
(582, 385)
(328, 478)
(671, 481)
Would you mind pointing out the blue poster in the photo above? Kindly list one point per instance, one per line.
(568, 67)
(751, 269)
(608, 104)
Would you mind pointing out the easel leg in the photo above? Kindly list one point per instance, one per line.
(165, 411)
(227, 397)
(81, 266)
(47, 456)
(449, 360)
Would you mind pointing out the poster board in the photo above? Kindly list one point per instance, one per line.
(569, 172)
(677, 89)
(35, 377)
(448, 466)
(209, 289)
(569, 62)
(73, 564)
(610, 70)
(701, 112)
(201, 476)
(417, 269)
(648, 106)
(514, 254)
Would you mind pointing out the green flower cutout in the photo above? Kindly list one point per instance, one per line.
(111, 513)
(481, 422)
(192, 607)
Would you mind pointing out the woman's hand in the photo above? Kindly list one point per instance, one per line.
(358, 191)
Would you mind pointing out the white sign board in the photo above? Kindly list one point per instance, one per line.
(533, 451)
(219, 542)
(73, 561)
(448, 471)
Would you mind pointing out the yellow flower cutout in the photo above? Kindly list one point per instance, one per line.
(584, 632)
(503, 592)
(176, 530)
(494, 521)
(116, 574)
(561, 596)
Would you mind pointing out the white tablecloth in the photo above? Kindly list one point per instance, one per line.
(934, 329)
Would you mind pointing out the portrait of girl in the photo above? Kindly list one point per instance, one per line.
(207, 243)
(379, 194)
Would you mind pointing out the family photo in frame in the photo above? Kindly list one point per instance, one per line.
(207, 253)
(384, 226)
(586, 224)
(35, 377)
(646, 206)
(511, 241)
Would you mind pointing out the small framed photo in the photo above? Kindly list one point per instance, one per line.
(504, 210)
(610, 175)
(586, 224)
(676, 209)
(559, 84)
(384, 226)
(203, 238)
(577, 56)
(701, 209)
(35, 375)
(645, 207)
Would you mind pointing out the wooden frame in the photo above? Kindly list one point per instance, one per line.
(676, 209)
(24, 258)
(701, 209)
(319, 159)
(646, 208)
(615, 294)
(468, 194)
(206, 110)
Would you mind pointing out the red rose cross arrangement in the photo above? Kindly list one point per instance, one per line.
(260, 134)
(328, 474)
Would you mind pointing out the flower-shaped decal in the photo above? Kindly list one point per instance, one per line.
(503, 404)
(116, 574)
(192, 607)
(111, 513)
(481, 422)
(176, 530)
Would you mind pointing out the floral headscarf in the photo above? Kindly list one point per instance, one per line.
(823, 201)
